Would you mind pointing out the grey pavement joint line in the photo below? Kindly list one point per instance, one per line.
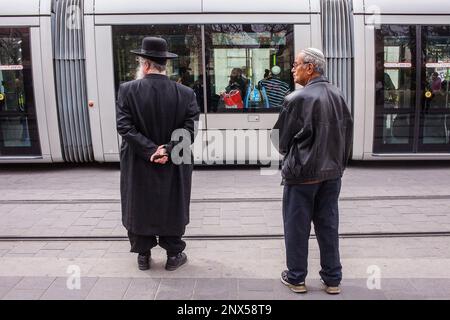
(127, 289)
(157, 289)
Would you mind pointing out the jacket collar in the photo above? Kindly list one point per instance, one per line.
(316, 80)
(156, 76)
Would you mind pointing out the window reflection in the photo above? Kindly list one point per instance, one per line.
(395, 88)
(394, 67)
(18, 128)
(396, 128)
(248, 67)
(436, 115)
(184, 40)
(437, 64)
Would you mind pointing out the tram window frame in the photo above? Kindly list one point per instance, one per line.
(392, 119)
(177, 69)
(425, 126)
(435, 117)
(243, 83)
(121, 52)
(22, 118)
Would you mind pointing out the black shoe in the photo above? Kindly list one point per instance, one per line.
(143, 260)
(174, 262)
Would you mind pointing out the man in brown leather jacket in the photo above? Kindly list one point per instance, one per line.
(315, 137)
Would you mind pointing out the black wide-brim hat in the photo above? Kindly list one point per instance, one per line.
(154, 47)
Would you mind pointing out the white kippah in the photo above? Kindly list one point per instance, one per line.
(276, 70)
(316, 53)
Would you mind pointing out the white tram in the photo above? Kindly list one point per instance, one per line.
(61, 62)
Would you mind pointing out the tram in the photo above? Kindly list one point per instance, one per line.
(61, 62)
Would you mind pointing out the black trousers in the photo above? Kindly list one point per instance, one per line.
(142, 244)
(318, 203)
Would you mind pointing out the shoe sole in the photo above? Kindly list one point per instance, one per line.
(333, 291)
(330, 290)
(145, 268)
(173, 268)
(294, 288)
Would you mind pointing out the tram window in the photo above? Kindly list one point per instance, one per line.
(184, 40)
(395, 85)
(436, 41)
(18, 128)
(396, 128)
(248, 67)
(436, 121)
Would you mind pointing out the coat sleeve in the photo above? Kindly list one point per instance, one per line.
(288, 125)
(126, 127)
(190, 120)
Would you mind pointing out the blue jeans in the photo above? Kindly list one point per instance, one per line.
(318, 203)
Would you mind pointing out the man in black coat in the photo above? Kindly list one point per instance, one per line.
(156, 118)
(315, 136)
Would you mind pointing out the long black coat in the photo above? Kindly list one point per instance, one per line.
(155, 197)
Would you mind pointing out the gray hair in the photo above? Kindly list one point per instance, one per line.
(316, 58)
(152, 64)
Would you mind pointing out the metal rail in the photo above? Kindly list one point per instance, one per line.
(226, 200)
(236, 237)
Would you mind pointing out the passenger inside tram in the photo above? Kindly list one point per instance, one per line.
(436, 128)
(440, 97)
(238, 81)
(275, 88)
(184, 76)
(385, 91)
(235, 91)
(436, 82)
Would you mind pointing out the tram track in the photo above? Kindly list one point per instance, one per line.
(223, 200)
(273, 236)
(367, 235)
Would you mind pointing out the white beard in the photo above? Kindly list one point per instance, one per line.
(139, 72)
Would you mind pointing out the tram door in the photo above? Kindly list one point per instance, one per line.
(18, 125)
(412, 107)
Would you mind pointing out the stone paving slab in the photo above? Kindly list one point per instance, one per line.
(142, 289)
(409, 268)
(59, 290)
(396, 258)
(229, 289)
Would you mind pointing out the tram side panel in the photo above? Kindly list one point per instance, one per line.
(28, 123)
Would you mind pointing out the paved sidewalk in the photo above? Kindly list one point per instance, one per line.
(65, 200)
(409, 268)
(69, 201)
